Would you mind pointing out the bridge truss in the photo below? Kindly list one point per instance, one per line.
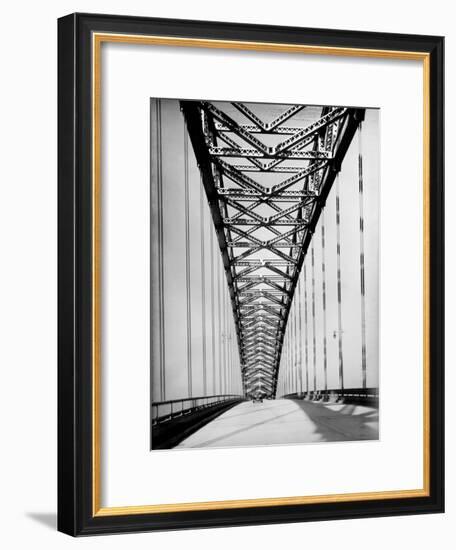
(266, 181)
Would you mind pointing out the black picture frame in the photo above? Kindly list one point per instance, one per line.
(75, 275)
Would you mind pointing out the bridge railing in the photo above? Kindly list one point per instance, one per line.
(361, 396)
(166, 410)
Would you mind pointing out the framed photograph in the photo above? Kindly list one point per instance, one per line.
(251, 274)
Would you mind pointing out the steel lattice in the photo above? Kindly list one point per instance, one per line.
(266, 183)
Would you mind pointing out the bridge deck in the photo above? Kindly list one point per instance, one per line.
(285, 421)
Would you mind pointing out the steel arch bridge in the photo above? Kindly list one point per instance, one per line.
(266, 183)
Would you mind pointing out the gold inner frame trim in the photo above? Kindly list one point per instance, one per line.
(97, 40)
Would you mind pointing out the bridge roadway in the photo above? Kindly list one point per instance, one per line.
(286, 421)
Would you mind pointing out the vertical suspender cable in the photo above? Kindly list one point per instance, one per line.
(290, 361)
(161, 279)
(296, 347)
(361, 257)
(339, 289)
(229, 387)
(224, 339)
(306, 317)
(219, 319)
(227, 347)
(187, 268)
(288, 364)
(290, 321)
(323, 279)
(213, 362)
(314, 340)
(300, 333)
(203, 288)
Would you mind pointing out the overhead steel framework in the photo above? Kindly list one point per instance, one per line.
(266, 182)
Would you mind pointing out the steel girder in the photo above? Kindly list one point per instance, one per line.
(264, 226)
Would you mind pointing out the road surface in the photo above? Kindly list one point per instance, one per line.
(285, 421)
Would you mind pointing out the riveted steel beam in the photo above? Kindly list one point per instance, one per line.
(227, 152)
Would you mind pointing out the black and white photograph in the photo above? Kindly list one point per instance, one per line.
(264, 273)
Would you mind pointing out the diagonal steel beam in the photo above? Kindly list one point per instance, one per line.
(262, 290)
